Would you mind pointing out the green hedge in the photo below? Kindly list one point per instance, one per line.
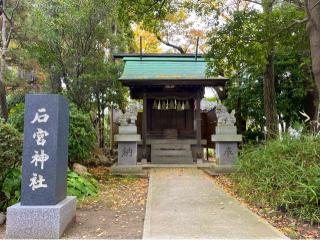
(79, 186)
(10, 148)
(283, 174)
(16, 117)
(82, 135)
(10, 159)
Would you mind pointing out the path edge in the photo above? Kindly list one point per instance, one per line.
(147, 217)
(246, 208)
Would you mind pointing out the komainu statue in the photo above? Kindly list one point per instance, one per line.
(224, 117)
(130, 116)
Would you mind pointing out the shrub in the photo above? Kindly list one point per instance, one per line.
(10, 159)
(283, 174)
(10, 188)
(81, 186)
(16, 116)
(10, 148)
(16, 98)
(253, 134)
(82, 136)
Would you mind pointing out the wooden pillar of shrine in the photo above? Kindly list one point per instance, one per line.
(198, 123)
(144, 125)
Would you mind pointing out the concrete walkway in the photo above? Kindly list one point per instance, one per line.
(186, 203)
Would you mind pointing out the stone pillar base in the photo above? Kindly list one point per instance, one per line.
(125, 170)
(226, 153)
(46, 222)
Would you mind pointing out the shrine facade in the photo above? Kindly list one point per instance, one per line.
(173, 127)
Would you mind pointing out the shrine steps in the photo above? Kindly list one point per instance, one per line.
(171, 151)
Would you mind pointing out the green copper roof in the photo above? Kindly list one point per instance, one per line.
(165, 68)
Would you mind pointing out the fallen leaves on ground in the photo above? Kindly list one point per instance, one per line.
(117, 212)
(291, 227)
(116, 191)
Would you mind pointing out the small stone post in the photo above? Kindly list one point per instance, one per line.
(44, 211)
(127, 140)
(226, 139)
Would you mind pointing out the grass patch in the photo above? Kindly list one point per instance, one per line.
(282, 174)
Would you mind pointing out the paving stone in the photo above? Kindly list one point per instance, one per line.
(186, 204)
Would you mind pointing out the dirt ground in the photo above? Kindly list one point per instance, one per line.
(117, 212)
(2, 232)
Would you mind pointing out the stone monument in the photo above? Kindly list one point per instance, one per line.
(226, 139)
(127, 143)
(44, 211)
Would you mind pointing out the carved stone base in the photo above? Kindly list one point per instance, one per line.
(127, 153)
(226, 153)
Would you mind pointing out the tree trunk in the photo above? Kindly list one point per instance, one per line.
(3, 94)
(269, 95)
(241, 123)
(3, 99)
(98, 118)
(102, 142)
(55, 81)
(111, 129)
(269, 91)
(311, 99)
(313, 27)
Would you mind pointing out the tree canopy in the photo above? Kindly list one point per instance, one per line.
(268, 50)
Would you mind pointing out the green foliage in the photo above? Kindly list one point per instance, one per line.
(81, 186)
(72, 43)
(239, 48)
(82, 136)
(10, 148)
(16, 116)
(283, 174)
(148, 12)
(16, 98)
(10, 188)
(253, 134)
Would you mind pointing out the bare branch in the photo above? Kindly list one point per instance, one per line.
(161, 6)
(253, 1)
(314, 5)
(11, 22)
(180, 49)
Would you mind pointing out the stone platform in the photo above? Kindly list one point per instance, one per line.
(44, 222)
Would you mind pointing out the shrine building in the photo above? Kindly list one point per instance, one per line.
(173, 127)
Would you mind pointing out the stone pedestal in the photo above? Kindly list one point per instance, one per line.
(127, 140)
(226, 153)
(127, 149)
(226, 139)
(127, 153)
(40, 222)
